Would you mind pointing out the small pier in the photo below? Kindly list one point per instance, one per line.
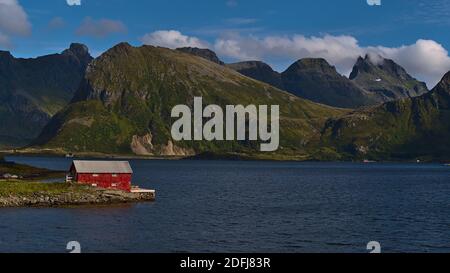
(144, 193)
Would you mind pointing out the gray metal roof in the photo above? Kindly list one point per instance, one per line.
(89, 166)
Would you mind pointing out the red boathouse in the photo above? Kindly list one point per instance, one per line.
(104, 174)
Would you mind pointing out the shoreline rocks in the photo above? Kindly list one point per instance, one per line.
(91, 196)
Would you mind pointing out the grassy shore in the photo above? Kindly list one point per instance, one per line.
(23, 188)
(26, 191)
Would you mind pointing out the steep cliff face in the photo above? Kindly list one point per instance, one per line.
(129, 93)
(143, 145)
(33, 90)
(385, 79)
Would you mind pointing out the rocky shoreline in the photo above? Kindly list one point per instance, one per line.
(86, 196)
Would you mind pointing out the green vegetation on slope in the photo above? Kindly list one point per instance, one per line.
(410, 128)
(89, 126)
(124, 106)
(131, 91)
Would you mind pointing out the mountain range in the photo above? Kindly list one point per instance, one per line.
(373, 80)
(124, 103)
(33, 90)
(370, 83)
(123, 100)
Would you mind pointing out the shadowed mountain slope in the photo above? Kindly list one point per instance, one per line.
(33, 90)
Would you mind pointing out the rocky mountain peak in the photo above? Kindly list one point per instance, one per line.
(259, 71)
(444, 84)
(78, 49)
(360, 66)
(34, 89)
(80, 52)
(120, 48)
(203, 53)
(315, 64)
(5, 54)
(385, 78)
(317, 80)
(375, 59)
(446, 78)
(250, 64)
(372, 62)
(6, 60)
(367, 65)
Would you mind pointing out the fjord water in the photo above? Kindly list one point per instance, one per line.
(246, 206)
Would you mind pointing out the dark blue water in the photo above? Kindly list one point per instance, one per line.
(226, 206)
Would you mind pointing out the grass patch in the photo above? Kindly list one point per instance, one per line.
(23, 189)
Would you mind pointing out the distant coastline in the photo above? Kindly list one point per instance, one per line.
(215, 156)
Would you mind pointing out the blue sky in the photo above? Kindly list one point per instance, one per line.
(412, 32)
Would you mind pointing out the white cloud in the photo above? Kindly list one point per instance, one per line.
(426, 60)
(73, 2)
(172, 39)
(341, 51)
(100, 28)
(4, 41)
(13, 19)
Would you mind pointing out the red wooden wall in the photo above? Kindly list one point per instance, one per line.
(108, 181)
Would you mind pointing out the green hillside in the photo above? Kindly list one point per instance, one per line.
(406, 129)
(125, 102)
